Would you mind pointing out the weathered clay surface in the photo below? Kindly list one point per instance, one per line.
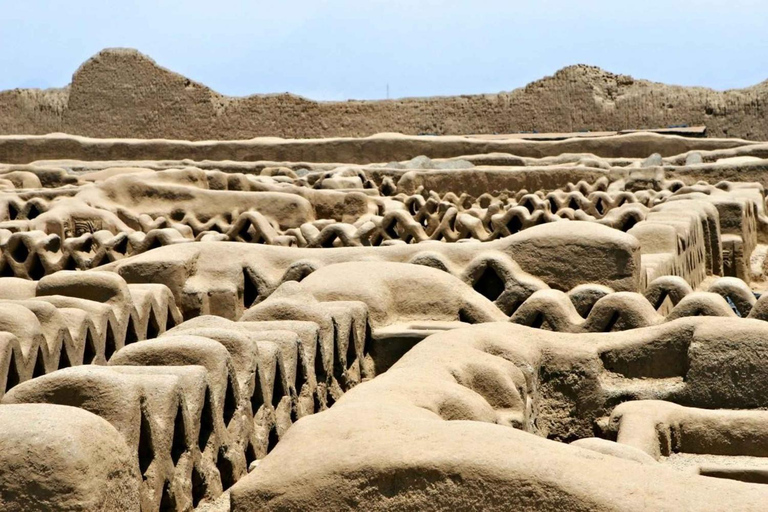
(580, 325)
(122, 93)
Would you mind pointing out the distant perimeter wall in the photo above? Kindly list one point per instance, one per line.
(122, 93)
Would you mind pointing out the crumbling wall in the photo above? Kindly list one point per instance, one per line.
(122, 93)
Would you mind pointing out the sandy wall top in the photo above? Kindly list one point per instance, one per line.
(20, 149)
(122, 93)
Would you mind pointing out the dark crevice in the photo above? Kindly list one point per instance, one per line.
(179, 442)
(367, 339)
(36, 270)
(110, 345)
(71, 263)
(612, 322)
(153, 326)
(465, 317)
(538, 321)
(13, 374)
(391, 232)
(328, 242)
(320, 371)
(178, 214)
(528, 204)
(89, 352)
(338, 366)
(230, 402)
(278, 389)
(226, 469)
(351, 352)
(206, 422)
(514, 225)
(329, 399)
(599, 207)
(39, 370)
(32, 212)
(170, 323)
(64, 361)
(121, 246)
(490, 285)
(167, 503)
(247, 233)
(154, 245)
(257, 398)
(302, 376)
(20, 253)
(250, 289)
(87, 245)
(629, 223)
(146, 452)
(131, 336)
(250, 454)
(272, 439)
(317, 404)
(199, 487)
(662, 296)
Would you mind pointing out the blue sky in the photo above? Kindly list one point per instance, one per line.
(333, 50)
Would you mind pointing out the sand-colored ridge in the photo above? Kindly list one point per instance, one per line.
(124, 93)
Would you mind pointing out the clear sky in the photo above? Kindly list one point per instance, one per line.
(339, 49)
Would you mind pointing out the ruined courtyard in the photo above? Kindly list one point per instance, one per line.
(564, 321)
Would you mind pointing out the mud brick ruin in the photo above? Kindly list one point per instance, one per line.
(195, 319)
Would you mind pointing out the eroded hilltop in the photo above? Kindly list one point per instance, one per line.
(123, 93)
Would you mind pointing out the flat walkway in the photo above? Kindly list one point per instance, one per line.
(692, 131)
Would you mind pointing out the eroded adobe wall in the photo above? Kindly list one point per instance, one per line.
(122, 93)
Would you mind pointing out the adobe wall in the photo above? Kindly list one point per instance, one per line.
(122, 93)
